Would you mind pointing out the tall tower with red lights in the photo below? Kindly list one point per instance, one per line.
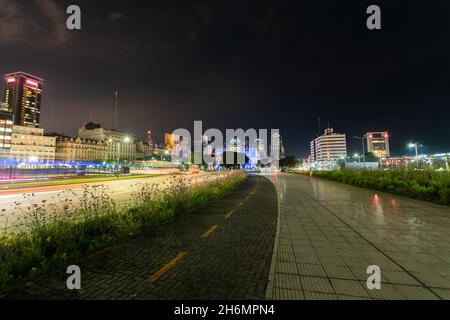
(22, 93)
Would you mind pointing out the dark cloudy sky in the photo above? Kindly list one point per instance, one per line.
(232, 64)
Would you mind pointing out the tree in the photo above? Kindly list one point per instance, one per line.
(371, 157)
(289, 162)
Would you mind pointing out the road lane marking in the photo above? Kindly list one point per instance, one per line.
(210, 230)
(167, 267)
(181, 254)
(229, 214)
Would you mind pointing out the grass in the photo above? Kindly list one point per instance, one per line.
(60, 233)
(428, 185)
(71, 181)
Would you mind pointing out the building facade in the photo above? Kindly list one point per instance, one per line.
(30, 144)
(120, 145)
(378, 143)
(144, 149)
(277, 146)
(22, 93)
(312, 150)
(328, 147)
(6, 123)
(76, 149)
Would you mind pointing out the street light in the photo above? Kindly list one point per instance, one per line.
(416, 146)
(166, 152)
(363, 149)
(357, 156)
(125, 140)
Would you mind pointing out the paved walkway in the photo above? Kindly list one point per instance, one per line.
(220, 251)
(329, 233)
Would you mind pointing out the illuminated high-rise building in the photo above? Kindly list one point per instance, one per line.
(6, 122)
(22, 93)
(378, 143)
(329, 147)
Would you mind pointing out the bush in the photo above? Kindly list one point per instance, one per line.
(51, 235)
(425, 185)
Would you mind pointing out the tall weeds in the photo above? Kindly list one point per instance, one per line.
(48, 235)
(428, 185)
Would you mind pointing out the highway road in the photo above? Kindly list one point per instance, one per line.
(14, 203)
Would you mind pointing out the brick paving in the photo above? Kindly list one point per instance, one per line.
(232, 262)
(329, 233)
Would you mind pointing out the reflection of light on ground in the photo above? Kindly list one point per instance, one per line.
(394, 206)
(274, 177)
(376, 199)
(379, 214)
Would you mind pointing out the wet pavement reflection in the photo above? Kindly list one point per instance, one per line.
(326, 226)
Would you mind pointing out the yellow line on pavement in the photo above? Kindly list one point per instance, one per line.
(210, 230)
(229, 214)
(167, 267)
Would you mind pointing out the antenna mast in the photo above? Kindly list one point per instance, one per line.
(116, 111)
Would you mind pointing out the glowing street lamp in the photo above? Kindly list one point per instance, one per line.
(125, 140)
(416, 146)
(363, 149)
(166, 152)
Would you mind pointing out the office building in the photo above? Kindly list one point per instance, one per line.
(22, 93)
(328, 147)
(30, 144)
(378, 143)
(6, 123)
(70, 149)
(120, 145)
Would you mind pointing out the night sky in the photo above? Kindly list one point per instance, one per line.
(239, 64)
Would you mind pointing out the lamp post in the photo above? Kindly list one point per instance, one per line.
(363, 148)
(416, 146)
(118, 150)
(125, 140)
(111, 141)
(166, 152)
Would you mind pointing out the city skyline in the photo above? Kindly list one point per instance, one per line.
(12, 88)
(269, 70)
(224, 158)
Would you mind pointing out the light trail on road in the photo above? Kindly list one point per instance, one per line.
(15, 203)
